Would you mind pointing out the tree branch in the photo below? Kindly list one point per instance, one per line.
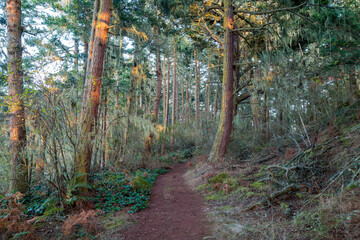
(213, 36)
(272, 11)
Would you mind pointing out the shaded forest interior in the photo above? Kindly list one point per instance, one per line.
(261, 98)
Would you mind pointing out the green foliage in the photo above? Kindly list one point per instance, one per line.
(140, 183)
(114, 191)
(258, 185)
(39, 203)
(219, 178)
(178, 156)
(203, 187)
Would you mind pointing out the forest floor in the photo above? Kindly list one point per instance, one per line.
(175, 211)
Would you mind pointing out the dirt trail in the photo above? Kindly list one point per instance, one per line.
(174, 212)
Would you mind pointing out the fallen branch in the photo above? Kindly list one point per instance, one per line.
(265, 159)
(286, 169)
(273, 196)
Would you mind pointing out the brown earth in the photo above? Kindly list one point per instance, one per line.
(175, 212)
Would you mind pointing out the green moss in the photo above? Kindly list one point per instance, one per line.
(233, 182)
(116, 223)
(258, 185)
(203, 187)
(241, 190)
(215, 197)
(250, 194)
(219, 178)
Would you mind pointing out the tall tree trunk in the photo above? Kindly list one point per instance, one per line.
(266, 132)
(150, 97)
(88, 82)
(165, 92)
(217, 89)
(86, 50)
(19, 162)
(197, 100)
(222, 138)
(236, 69)
(158, 77)
(182, 98)
(130, 100)
(116, 72)
(104, 125)
(174, 110)
(168, 91)
(208, 89)
(187, 103)
(76, 53)
(254, 103)
(92, 99)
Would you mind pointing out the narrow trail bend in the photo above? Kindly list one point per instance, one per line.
(175, 211)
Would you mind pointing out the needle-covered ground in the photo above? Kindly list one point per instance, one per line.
(174, 212)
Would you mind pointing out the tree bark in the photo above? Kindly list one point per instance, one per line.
(92, 98)
(76, 53)
(208, 88)
(165, 92)
(197, 100)
(158, 77)
(174, 110)
(168, 91)
(104, 125)
(90, 47)
(222, 138)
(217, 89)
(130, 99)
(197, 92)
(19, 162)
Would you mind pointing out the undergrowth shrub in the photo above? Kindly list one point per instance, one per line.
(114, 191)
(13, 222)
(83, 223)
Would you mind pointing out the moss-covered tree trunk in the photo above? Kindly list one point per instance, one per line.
(89, 116)
(89, 47)
(222, 138)
(19, 163)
